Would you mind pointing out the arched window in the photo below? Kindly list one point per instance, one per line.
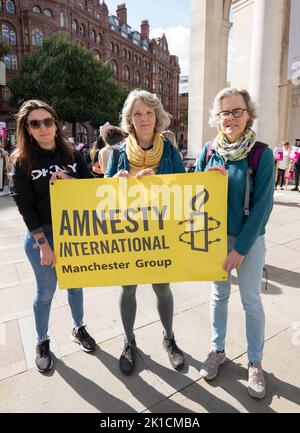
(125, 53)
(99, 38)
(137, 77)
(37, 37)
(92, 36)
(160, 87)
(82, 30)
(129, 55)
(117, 49)
(48, 13)
(10, 7)
(126, 74)
(74, 26)
(114, 66)
(112, 47)
(147, 82)
(36, 10)
(167, 90)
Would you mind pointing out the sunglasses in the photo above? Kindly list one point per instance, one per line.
(36, 124)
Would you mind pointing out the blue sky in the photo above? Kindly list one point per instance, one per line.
(171, 17)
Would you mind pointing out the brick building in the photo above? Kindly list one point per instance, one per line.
(136, 60)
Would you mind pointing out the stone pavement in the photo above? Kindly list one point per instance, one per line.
(81, 382)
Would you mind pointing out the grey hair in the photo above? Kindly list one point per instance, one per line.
(214, 120)
(163, 119)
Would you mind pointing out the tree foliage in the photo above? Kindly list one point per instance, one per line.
(71, 79)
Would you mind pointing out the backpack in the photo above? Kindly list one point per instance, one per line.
(253, 163)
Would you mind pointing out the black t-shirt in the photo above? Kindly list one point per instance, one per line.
(31, 192)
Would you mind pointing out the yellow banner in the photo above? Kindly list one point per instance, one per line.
(160, 229)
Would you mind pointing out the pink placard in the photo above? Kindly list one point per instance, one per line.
(294, 154)
(278, 154)
(2, 132)
(289, 174)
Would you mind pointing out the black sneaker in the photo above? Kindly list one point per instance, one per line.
(295, 188)
(43, 360)
(175, 354)
(83, 338)
(127, 358)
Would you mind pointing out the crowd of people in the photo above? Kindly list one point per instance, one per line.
(143, 146)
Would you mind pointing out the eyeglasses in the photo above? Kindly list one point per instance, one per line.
(238, 112)
(36, 124)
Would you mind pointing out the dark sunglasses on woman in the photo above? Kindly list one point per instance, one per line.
(36, 124)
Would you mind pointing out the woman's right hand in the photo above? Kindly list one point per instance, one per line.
(220, 168)
(47, 255)
(122, 173)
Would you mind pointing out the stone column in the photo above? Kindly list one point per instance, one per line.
(208, 67)
(265, 66)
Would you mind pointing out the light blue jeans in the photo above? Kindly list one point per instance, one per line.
(46, 280)
(249, 280)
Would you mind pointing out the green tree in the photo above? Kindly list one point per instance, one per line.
(80, 87)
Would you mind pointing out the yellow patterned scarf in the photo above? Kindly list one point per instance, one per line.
(235, 151)
(139, 158)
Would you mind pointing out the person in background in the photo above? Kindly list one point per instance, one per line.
(145, 152)
(43, 154)
(96, 168)
(170, 136)
(233, 113)
(282, 165)
(112, 136)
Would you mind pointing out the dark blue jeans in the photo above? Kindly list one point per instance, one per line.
(46, 280)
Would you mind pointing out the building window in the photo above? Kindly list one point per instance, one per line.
(26, 37)
(112, 47)
(6, 94)
(129, 55)
(99, 39)
(137, 77)
(37, 37)
(5, 33)
(82, 30)
(126, 73)
(14, 61)
(13, 38)
(81, 6)
(115, 68)
(92, 36)
(74, 26)
(125, 53)
(117, 49)
(7, 61)
(48, 13)
(147, 82)
(62, 20)
(10, 7)
(36, 10)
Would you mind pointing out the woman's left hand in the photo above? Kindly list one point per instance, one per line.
(145, 172)
(59, 175)
(233, 260)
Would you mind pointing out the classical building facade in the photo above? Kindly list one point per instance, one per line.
(183, 103)
(136, 60)
(265, 61)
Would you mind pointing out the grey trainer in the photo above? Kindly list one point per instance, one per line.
(210, 366)
(256, 381)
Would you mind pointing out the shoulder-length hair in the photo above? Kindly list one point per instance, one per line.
(214, 120)
(163, 119)
(26, 150)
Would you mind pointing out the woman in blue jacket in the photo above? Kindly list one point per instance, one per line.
(233, 113)
(145, 152)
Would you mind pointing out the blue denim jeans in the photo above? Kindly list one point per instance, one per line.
(46, 280)
(249, 280)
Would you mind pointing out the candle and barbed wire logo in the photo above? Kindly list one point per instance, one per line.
(197, 235)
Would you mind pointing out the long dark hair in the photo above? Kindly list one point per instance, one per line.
(27, 146)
